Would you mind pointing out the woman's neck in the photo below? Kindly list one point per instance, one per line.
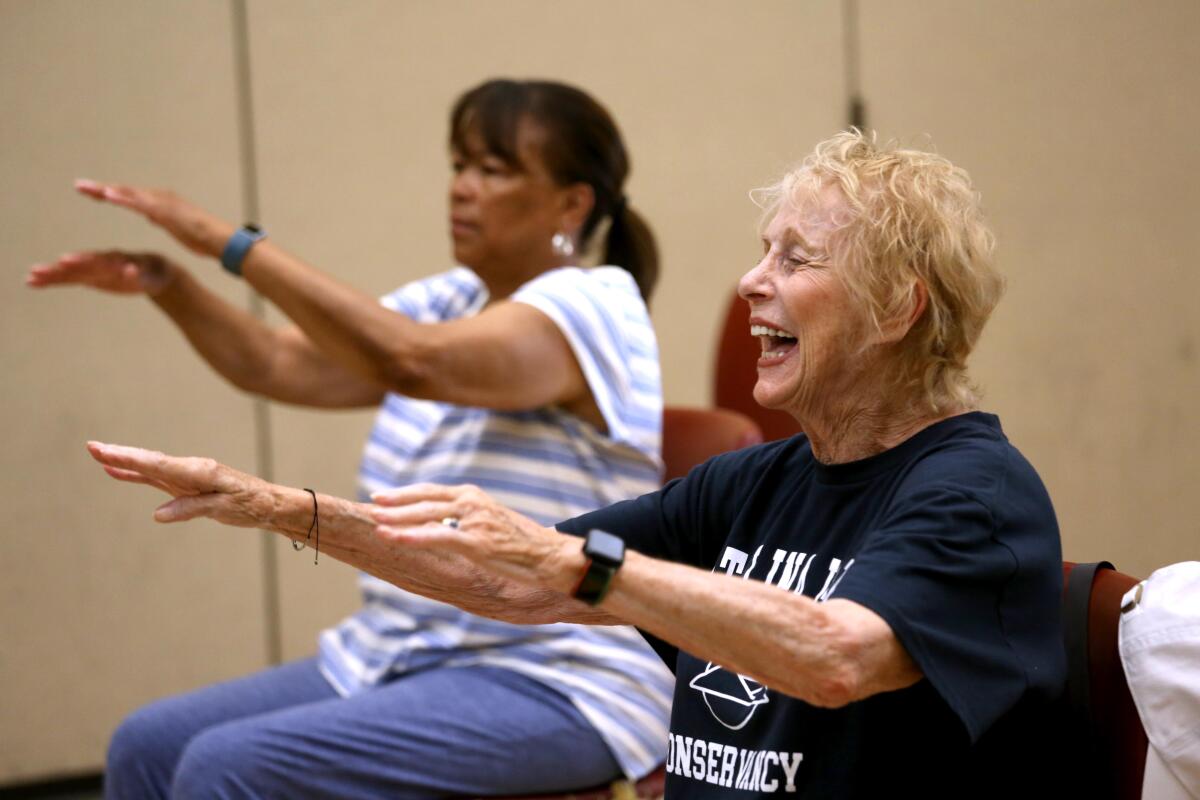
(860, 433)
(866, 416)
(502, 280)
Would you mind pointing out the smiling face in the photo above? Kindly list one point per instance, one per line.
(503, 215)
(810, 330)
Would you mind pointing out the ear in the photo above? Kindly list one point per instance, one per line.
(576, 202)
(895, 329)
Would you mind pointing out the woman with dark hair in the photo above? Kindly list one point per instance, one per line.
(519, 372)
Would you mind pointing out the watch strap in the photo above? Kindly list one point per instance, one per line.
(605, 554)
(238, 245)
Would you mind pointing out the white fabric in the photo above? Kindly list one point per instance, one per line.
(1160, 650)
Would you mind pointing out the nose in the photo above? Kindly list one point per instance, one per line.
(755, 285)
(462, 185)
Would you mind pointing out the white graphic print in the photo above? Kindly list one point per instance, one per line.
(732, 699)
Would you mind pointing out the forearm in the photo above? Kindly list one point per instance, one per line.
(232, 341)
(509, 357)
(349, 326)
(347, 534)
(827, 654)
(279, 364)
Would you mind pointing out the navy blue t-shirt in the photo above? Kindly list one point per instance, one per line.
(950, 537)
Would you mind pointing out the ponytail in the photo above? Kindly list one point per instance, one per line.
(631, 246)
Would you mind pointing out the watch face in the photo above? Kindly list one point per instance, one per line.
(605, 548)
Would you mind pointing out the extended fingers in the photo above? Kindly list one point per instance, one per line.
(419, 492)
(66, 268)
(93, 189)
(115, 193)
(418, 513)
(132, 476)
(49, 274)
(429, 535)
(150, 463)
(189, 506)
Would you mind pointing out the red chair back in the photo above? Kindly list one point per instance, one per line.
(1119, 738)
(736, 373)
(693, 435)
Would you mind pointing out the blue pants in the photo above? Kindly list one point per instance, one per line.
(284, 732)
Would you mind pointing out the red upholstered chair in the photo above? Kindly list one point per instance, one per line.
(736, 374)
(690, 437)
(1104, 707)
(693, 435)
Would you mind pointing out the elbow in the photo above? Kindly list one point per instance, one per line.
(838, 677)
(253, 381)
(406, 372)
(840, 686)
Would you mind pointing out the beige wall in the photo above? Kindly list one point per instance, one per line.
(1077, 120)
(102, 610)
(1091, 359)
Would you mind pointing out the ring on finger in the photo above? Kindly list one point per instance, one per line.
(450, 522)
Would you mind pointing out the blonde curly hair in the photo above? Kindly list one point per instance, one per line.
(913, 218)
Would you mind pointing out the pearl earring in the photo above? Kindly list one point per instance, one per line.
(562, 245)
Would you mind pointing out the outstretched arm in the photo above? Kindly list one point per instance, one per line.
(510, 357)
(828, 654)
(281, 364)
(492, 561)
(202, 487)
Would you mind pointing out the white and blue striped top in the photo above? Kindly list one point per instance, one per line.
(547, 464)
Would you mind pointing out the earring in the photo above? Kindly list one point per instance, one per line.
(562, 245)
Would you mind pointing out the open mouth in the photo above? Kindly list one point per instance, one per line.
(775, 343)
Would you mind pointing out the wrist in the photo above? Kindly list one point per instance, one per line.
(567, 562)
(286, 510)
(218, 234)
(604, 554)
(237, 248)
(158, 275)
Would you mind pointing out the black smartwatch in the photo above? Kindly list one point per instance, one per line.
(605, 554)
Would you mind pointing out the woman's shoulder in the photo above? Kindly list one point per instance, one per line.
(593, 297)
(440, 296)
(605, 278)
(972, 453)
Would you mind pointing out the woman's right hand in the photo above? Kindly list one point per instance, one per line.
(200, 487)
(190, 225)
(112, 271)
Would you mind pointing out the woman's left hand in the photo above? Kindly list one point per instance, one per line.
(201, 487)
(465, 520)
(190, 225)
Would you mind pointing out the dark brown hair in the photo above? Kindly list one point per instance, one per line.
(582, 145)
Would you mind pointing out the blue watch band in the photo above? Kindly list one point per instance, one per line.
(238, 245)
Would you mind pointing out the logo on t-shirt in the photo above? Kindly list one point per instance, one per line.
(732, 699)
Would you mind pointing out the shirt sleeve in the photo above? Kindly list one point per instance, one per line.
(963, 579)
(688, 519)
(437, 298)
(605, 322)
